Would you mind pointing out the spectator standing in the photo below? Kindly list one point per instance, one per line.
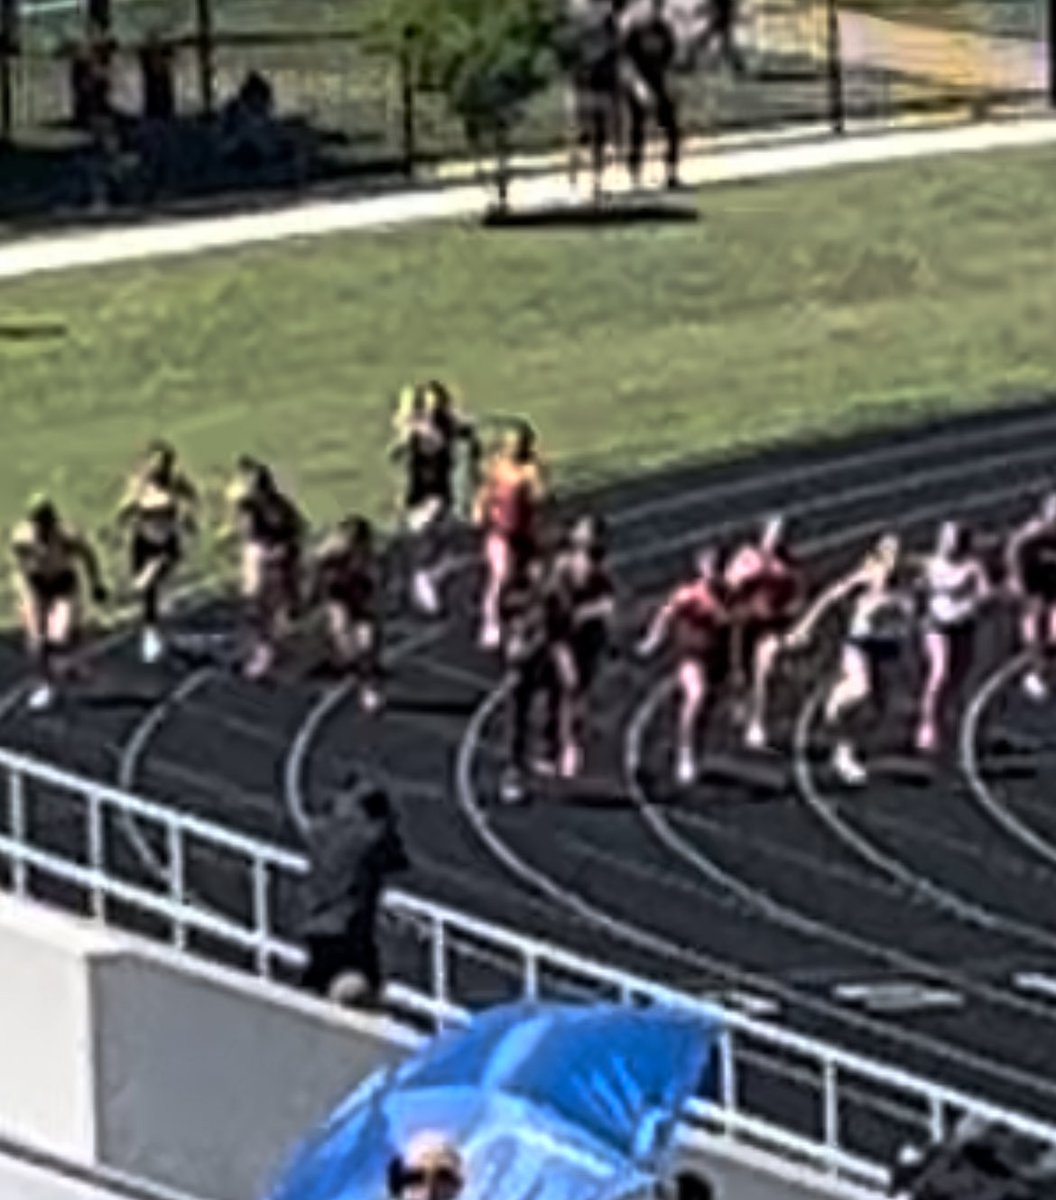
(347, 877)
(650, 47)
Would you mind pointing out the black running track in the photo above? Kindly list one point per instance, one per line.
(766, 883)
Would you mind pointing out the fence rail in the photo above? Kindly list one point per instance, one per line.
(785, 1093)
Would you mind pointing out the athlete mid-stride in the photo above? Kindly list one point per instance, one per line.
(877, 622)
(764, 590)
(49, 560)
(345, 581)
(1031, 575)
(698, 616)
(509, 508)
(955, 586)
(158, 508)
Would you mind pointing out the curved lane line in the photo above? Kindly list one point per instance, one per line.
(673, 952)
(981, 791)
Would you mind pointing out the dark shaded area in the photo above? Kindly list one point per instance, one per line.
(613, 212)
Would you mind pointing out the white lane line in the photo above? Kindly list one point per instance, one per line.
(898, 996)
(663, 949)
(297, 757)
(985, 796)
(1035, 981)
(132, 754)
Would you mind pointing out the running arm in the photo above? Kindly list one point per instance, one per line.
(829, 598)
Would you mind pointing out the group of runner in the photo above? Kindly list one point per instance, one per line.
(547, 601)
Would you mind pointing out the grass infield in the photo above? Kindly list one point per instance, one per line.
(809, 305)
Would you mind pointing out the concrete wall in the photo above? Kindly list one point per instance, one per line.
(117, 1053)
(46, 1092)
(205, 1082)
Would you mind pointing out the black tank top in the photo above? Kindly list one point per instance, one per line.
(1037, 562)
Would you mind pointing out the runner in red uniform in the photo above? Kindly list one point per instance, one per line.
(765, 595)
(509, 505)
(698, 616)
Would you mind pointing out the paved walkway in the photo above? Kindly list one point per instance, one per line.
(718, 163)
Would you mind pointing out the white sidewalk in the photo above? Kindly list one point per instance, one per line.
(708, 164)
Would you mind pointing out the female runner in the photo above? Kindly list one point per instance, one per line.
(48, 560)
(955, 585)
(158, 506)
(877, 627)
(428, 434)
(700, 619)
(272, 532)
(1031, 572)
(765, 594)
(509, 505)
(346, 581)
(582, 606)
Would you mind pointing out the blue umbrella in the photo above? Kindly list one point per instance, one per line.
(544, 1102)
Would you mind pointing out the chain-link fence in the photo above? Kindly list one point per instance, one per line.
(330, 107)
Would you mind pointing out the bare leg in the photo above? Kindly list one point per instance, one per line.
(937, 658)
(693, 688)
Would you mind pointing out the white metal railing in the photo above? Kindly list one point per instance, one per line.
(171, 901)
(833, 1087)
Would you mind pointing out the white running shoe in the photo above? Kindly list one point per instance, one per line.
(571, 762)
(370, 699)
(490, 637)
(755, 736)
(1035, 687)
(41, 698)
(151, 647)
(848, 766)
(426, 598)
(686, 769)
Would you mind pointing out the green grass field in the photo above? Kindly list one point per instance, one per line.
(811, 304)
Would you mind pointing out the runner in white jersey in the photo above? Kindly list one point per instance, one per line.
(878, 619)
(955, 586)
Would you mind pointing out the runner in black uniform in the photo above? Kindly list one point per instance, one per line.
(1031, 562)
(158, 506)
(346, 581)
(650, 47)
(49, 559)
(525, 619)
(581, 605)
(428, 443)
(272, 532)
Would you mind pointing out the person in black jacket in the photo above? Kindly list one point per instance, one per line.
(650, 47)
(347, 877)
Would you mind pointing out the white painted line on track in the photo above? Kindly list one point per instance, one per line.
(132, 754)
(898, 996)
(984, 795)
(331, 701)
(642, 939)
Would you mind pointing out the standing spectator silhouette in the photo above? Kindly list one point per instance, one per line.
(722, 25)
(650, 47)
(349, 869)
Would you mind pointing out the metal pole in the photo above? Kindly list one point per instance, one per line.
(1050, 38)
(8, 53)
(205, 40)
(836, 113)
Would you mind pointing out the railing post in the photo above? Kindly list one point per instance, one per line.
(16, 816)
(96, 854)
(174, 837)
(531, 975)
(831, 1100)
(261, 925)
(439, 965)
(936, 1119)
(727, 1078)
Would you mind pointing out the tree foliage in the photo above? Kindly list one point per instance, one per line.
(487, 57)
